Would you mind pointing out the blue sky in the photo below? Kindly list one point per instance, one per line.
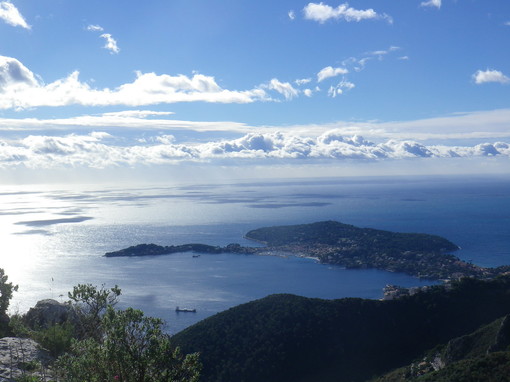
(285, 88)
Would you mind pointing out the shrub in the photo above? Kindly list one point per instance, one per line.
(133, 348)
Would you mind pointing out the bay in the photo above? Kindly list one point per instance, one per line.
(54, 237)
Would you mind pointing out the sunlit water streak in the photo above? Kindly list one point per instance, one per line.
(54, 238)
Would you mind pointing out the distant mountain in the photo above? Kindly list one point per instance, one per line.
(284, 338)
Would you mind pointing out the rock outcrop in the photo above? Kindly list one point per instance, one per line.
(23, 356)
(47, 313)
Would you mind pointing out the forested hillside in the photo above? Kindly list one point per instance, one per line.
(290, 338)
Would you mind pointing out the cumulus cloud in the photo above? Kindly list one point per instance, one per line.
(322, 12)
(21, 89)
(96, 150)
(292, 15)
(432, 3)
(14, 75)
(485, 76)
(11, 15)
(329, 72)
(111, 43)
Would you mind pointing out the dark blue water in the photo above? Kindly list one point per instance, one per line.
(58, 236)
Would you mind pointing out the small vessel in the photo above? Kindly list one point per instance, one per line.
(189, 310)
(195, 256)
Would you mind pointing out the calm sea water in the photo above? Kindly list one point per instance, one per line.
(55, 237)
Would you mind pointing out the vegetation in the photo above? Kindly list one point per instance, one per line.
(494, 367)
(290, 338)
(156, 250)
(100, 343)
(6, 290)
(132, 348)
(483, 355)
(332, 242)
(89, 304)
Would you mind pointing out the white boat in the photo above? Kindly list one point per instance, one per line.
(190, 310)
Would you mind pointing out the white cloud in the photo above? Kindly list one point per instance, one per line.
(340, 87)
(432, 3)
(303, 81)
(329, 72)
(114, 121)
(292, 15)
(308, 92)
(14, 75)
(95, 28)
(284, 88)
(111, 43)
(21, 90)
(384, 52)
(165, 139)
(10, 14)
(98, 150)
(322, 12)
(136, 113)
(484, 76)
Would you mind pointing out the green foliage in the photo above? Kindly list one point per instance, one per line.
(332, 242)
(133, 348)
(103, 344)
(90, 304)
(284, 338)
(493, 367)
(18, 327)
(6, 291)
(29, 378)
(333, 233)
(56, 339)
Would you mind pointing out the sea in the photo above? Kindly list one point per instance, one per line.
(54, 237)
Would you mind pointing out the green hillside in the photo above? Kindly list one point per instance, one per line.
(483, 355)
(290, 338)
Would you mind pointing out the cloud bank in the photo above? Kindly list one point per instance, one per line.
(98, 150)
(19, 89)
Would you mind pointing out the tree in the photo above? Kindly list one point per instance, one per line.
(90, 303)
(133, 348)
(6, 291)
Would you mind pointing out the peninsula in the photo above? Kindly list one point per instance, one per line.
(331, 242)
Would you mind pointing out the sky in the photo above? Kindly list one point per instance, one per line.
(195, 89)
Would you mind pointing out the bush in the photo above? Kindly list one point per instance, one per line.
(56, 339)
(133, 348)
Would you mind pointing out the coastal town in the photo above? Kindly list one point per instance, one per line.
(420, 255)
